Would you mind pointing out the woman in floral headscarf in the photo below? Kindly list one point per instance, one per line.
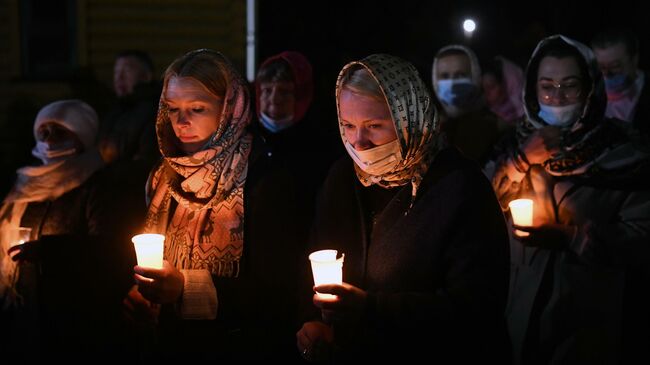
(573, 274)
(425, 244)
(231, 244)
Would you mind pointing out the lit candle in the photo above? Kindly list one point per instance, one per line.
(327, 269)
(522, 214)
(149, 249)
(19, 235)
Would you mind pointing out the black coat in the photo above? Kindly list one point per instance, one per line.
(257, 317)
(437, 276)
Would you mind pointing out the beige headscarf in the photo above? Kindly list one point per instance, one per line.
(413, 113)
(205, 231)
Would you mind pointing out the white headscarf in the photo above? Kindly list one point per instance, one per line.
(49, 181)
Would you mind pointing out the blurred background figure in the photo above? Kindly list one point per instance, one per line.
(579, 275)
(127, 131)
(295, 136)
(503, 84)
(61, 290)
(467, 122)
(628, 99)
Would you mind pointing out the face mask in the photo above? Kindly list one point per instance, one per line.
(276, 125)
(457, 92)
(52, 153)
(560, 115)
(617, 83)
(377, 160)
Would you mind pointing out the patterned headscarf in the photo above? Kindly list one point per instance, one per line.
(413, 113)
(588, 136)
(205, 231)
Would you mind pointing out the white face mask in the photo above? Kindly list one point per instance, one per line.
(560, 116)
(276, 125)
(377, 160)
(48, 154)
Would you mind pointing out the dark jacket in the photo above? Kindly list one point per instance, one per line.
(436, 274)
(257, 313)
(78, 272)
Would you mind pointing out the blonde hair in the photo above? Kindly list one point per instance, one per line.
(203, 65)
(360, 81)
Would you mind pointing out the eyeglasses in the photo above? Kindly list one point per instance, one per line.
(548, 90)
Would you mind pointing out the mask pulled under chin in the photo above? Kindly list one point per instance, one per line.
(53, 153)
(560, 116)
(276, 125)
(377, 160)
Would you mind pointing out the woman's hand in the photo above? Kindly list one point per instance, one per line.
(548, 235)
(160, 285)
(542, 145)
(350, 301)
(138, 309)
(314, 341)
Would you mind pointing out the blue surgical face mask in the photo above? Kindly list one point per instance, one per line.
(276, 125)
(560, 116)
(457, 92)
(617, 83)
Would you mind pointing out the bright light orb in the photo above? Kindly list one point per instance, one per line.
(469, 25)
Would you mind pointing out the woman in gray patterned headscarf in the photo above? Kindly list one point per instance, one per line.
(425, 244)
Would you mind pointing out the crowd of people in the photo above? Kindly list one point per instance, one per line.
(244, 180)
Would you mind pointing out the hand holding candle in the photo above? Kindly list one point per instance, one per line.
(327, 269)
(19, 235)
(149, 249)
(522, 214)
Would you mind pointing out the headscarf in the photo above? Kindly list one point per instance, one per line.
(205, 230)
(513, 82)
(52, 180)
(589, 136)
(302, 80)
(475, 67)
(413, 113)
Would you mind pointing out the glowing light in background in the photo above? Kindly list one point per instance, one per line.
(469, 25)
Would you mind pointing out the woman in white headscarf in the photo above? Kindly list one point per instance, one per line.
(425, 245)
(47, 301)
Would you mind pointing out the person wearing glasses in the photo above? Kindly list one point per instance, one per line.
(577, 272)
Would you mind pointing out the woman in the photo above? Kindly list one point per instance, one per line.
(425, 244)
(467, 122)
(295, 135)
(583, 264)
(63, 289)
(231, 244)
(503, 83)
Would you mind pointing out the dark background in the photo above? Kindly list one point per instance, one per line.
(332, 33)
